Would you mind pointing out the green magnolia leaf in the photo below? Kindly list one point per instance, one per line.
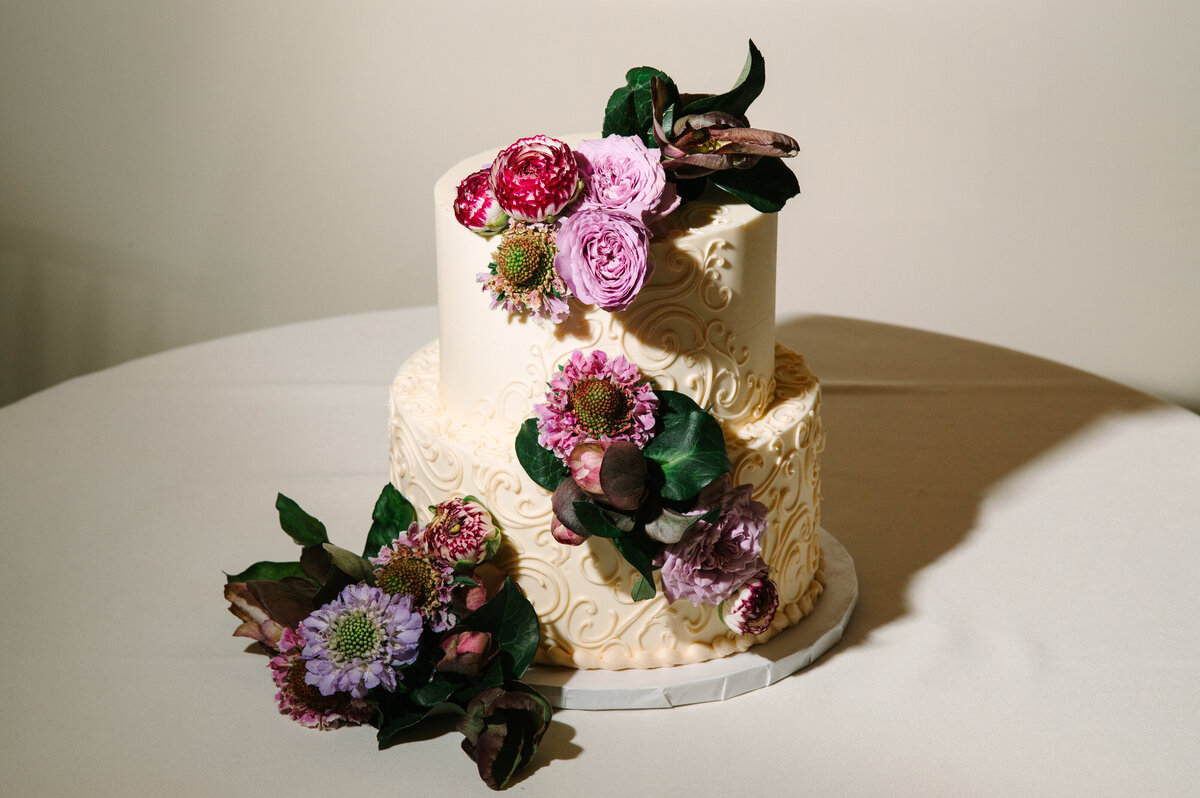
(766, 186)
(302, 527)
(513, 624)
(639, 551)
(690, 448)
(541, 464)
(358, 568)
(392, 515)
(270, 571)
(594, 520)
(744, 92)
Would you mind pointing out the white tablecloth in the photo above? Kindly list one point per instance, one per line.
(1026, 538)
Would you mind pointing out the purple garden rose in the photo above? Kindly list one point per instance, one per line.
(620, 173)
(715, 559)
(535, 178)
(475, 206)
(603, 256)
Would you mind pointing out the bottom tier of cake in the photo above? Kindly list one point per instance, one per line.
(581, 593)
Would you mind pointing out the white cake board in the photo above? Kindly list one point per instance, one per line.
(716, 680)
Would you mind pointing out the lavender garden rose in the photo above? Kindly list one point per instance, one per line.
(716, 559)
(620, 173)
(603, 256)
(535, 178)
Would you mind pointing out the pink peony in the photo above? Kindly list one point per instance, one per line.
(715, 559)
(603, 256)
(751, 608)
(620, 173)
(594, 398)
(535, 178)
(475, 206)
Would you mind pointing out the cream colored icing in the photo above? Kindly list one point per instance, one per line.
(704, 325)
(581, 594)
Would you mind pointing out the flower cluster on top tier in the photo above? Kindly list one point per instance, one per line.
(648, 469)
(572, 223)
(420, 620)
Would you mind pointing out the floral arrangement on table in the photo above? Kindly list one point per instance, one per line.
(648, 470)
(579, 222)
(420, 622)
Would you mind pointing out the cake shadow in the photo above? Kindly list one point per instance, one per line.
(919, 426)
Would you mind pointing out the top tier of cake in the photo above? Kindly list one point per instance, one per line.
(704, 323)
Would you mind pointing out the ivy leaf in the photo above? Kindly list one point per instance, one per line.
(513, 624)
(690, 448)
(745, 90)
(269, 571)
(629, 111)
(766, 186)
(392, 515)
(541, 464)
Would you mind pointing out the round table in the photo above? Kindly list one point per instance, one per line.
(1025, 535)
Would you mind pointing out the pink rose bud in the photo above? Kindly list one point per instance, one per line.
(535, 178)
(466, 652)
(564, 535)
(476, 207)
(750, 610)
(584, 462)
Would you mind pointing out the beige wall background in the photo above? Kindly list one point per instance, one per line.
(1024, 173)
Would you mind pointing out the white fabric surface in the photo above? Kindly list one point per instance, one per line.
(1025, 537)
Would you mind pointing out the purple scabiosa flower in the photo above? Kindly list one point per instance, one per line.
(475, 206)
(751, 608)
(304, 703)
(402, 571)
(535, 178)
(521, 277)
(357, 641)
(603, 256)
(620, 173)
(715, 559)
(594, 398)
(462, 533)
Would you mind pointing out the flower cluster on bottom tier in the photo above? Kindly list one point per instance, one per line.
(581, 594)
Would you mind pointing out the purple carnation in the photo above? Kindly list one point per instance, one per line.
(622, 174)
(357, 641)
(603, 256)
(594, 398)
(715, 559)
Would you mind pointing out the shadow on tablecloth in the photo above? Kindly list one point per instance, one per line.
(919, 426)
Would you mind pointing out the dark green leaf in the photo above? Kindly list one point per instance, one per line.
(270, 571)
(619, 116)
(541, 464)
(629, 111)
(436, 691)
(513, 624)
(302, 527)
(766, 186)
(744, 92)
(397, 717)
(639, 551)
(594, 520)
(690, 447)
(393, 515)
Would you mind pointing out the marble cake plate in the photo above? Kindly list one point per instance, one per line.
(716, 680)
